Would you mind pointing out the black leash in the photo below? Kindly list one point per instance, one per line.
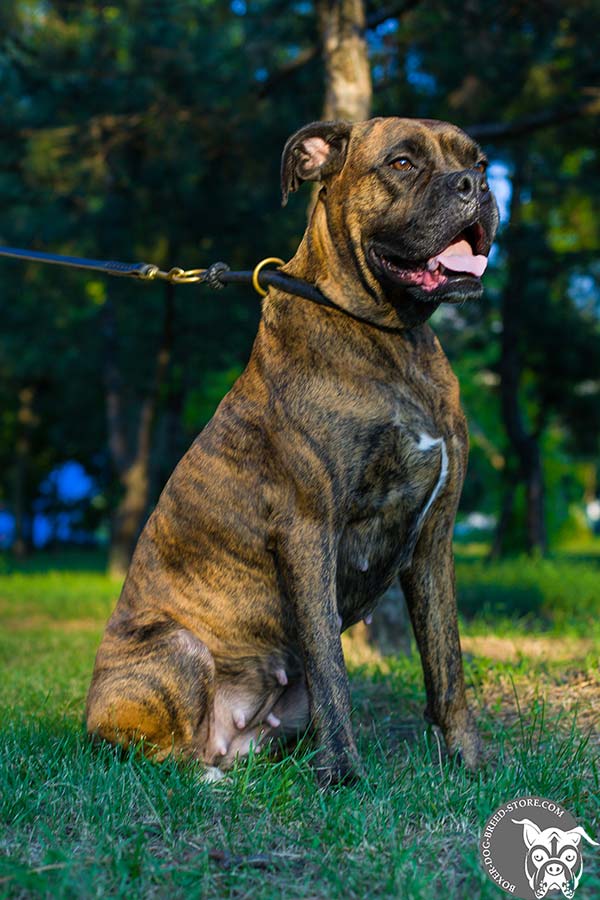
(216, 276)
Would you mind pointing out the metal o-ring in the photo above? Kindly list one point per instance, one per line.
(257, 270)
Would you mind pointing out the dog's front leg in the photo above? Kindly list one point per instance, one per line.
(306, 559)
(429, 587)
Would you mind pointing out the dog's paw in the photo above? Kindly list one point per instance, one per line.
(465, 745)
(343, 769)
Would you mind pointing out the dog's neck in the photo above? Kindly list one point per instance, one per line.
(344, 277)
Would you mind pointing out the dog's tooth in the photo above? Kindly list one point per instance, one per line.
(368, 619)
(273, 721)
(433, 264)
(281, 676)
(340, 621)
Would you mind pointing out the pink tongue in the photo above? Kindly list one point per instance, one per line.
(458, 257)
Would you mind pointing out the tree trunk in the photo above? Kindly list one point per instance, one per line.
(524, 442)
(348, 87)
(131, 456)
(390, 631)
(506, 511)
(26, 420)
(537, 540)
(170, 440)
(129, 515)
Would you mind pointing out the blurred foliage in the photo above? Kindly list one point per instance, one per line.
(559, 595)
(152, 131)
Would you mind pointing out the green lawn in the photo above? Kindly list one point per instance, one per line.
(78, 821)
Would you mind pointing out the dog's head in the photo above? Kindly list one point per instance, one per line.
(553, 860)
(410, 199)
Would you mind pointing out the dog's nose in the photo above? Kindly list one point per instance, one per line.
(469, 184)
(554, 869)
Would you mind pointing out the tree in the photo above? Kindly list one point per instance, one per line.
(348, 86)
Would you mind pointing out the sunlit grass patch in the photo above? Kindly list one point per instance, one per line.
(57, 595)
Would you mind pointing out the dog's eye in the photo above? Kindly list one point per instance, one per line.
(402, 164)
(481, 166)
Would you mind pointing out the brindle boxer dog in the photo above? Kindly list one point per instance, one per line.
(335, 462)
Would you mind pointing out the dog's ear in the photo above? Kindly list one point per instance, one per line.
(577, 833)
(313, 153)
(531, 832)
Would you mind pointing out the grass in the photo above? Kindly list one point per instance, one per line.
(561, 595)
(77, 821)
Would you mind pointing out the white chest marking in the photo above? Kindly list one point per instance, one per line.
(426, 443)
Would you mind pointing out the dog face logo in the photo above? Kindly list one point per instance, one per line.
(553, 861)
(535, 857)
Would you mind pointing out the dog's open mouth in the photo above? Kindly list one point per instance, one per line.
(461, 258)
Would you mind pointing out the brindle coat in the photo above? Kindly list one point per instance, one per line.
(336, 460)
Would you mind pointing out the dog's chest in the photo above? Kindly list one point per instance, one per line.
(408, 469)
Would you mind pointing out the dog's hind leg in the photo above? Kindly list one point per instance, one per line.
(158, 692)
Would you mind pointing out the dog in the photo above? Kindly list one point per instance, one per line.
(553, 861)
(335, 462)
